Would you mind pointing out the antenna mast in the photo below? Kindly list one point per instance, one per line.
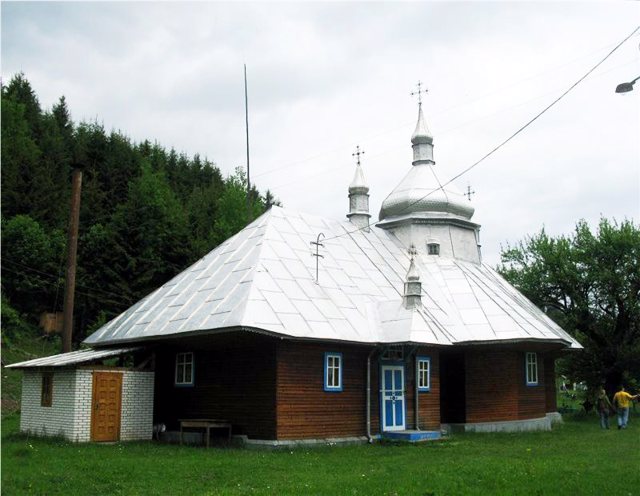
(246, 118)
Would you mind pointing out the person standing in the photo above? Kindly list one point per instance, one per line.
(622, 400)
(604, 407)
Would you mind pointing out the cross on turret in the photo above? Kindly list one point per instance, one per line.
(469, 192)
(412, 251)
(357, 154)
(419, 92)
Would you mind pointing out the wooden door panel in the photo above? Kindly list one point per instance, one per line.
(106, 406)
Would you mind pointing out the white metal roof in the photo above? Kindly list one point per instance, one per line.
(71, 358)
(264, 278)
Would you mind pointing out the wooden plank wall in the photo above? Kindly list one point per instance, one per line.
(235, 379)
(428, 401)
(492, 385)
(532, 399)
(497, 390)
(550, 384)
(305, 410)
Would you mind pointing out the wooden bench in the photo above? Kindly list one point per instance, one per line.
(207, 425)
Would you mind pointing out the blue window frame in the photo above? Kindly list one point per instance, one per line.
(184, 369)
(531, 368)
(333, 372)
(423, 373)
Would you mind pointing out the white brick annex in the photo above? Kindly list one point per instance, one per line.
(69, 415)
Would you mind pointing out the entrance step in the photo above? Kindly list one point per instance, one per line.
(412, 436)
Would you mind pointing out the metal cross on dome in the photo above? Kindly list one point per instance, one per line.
(469, 192)
(419, 92)
(357, 154)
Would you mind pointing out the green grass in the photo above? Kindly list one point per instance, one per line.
(17, 349)
(575, 459)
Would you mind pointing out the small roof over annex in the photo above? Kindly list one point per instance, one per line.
(72, 358)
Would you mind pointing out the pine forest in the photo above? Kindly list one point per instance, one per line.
(146, 213)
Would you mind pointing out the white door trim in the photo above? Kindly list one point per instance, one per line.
(392, 394)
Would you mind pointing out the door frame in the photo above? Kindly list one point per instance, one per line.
(93, 404)
(392, 365)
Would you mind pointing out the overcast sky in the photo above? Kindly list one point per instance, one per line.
(325, 77)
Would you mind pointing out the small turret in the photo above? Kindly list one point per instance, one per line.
(359, 197)
(412, 297)
(422, 142)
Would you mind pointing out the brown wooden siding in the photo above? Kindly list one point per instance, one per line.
(496, 387)
(235, 379)
(491, 386)
(531, 399)
(305, 410)
(428, 401)
(550, 384)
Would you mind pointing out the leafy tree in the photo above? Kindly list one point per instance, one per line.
(232, 207)
(31, 260)
(589, 283)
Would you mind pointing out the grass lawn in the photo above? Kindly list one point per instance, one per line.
(18, 349)
(575, 459)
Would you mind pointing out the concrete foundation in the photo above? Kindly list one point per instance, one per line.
(539, 424)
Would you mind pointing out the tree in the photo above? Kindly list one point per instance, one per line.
(31, 259)
(232, 207)
(589, 283)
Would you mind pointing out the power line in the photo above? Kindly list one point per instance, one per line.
(522, 128)
(51, 283)
(442, 111)
(52, 276)
(440, 133)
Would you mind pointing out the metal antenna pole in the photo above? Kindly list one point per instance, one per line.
(246, 119)
(317, 254)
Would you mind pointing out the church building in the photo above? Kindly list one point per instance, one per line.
(306, 329)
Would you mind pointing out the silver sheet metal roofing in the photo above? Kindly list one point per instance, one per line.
(263, 278)
(71, 358)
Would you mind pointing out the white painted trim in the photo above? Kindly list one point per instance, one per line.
(531, 381)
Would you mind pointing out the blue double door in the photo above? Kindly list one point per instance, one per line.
(393, 401)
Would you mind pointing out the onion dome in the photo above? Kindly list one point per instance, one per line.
(421, 193)
(358, 185)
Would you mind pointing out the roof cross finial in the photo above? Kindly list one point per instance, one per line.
(469, 192)
(357, 154)
(412, 251)
(419, 92)
(317, 253)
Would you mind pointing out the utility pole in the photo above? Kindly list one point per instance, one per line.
(72, 251)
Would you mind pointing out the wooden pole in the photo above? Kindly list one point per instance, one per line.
(72, 251)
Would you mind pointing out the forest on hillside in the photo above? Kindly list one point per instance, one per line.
(146, 213)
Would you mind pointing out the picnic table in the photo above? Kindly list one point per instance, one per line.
(207, 425)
